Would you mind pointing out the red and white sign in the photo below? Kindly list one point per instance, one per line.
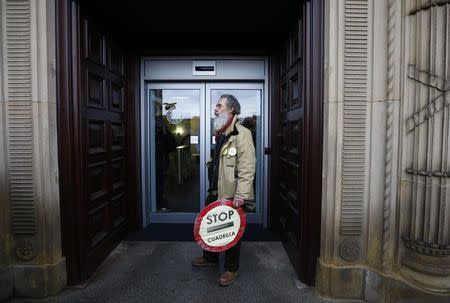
(219, 226)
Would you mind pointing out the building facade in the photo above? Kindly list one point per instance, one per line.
(378, 197)
(385, 200)
(31, 259)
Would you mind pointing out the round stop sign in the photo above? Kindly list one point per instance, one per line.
(219, 226)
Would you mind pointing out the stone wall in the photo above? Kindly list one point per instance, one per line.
(386, 212)
(31, 263)
(424, 239)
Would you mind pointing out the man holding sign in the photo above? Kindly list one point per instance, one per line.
(231, 172)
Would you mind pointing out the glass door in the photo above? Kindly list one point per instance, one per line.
(178, 140)
(249, 96)
(176, 132)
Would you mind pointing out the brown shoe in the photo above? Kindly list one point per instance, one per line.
(202, 262)
(227, 278)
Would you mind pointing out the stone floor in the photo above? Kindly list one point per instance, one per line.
(140, 271)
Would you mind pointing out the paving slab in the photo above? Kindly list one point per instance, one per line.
(142, 271)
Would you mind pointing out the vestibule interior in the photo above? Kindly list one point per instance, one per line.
(112, 39)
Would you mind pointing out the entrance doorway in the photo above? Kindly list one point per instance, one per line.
(178, 97)
(252, 43)
(179, 141)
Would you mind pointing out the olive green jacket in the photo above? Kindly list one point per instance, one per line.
(237, 165)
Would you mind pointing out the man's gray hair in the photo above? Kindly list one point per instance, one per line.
(233, 103)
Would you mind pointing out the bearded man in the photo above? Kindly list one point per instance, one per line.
(231, 172)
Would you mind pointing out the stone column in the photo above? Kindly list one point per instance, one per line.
(31, 263)
(348, 113)
(5, 232)
(424, 248)
(386, 208)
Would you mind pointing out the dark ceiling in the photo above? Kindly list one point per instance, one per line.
(219, 26)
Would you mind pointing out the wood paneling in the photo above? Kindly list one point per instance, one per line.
(291, 151)
(96, 137)
(103, 119)
(296, 160)
(116, 97)
(97, 198)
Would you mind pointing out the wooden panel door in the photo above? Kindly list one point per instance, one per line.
(104, 150)
(97, 150)
(296, 160)
(290, 137)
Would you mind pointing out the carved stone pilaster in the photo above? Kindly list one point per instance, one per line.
(346, 130)
(20, 123)
(425, 251)
(31, 262)
(353, 188)
(386, 137)
(6, 287)
(391, 150)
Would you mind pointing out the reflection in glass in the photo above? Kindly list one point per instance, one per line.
(177, 149)
(250, 117)
(295, 91)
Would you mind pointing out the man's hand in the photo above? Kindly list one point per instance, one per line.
(238, 202)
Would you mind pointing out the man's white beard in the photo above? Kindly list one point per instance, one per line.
(220, 121)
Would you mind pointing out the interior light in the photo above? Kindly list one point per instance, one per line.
(179, 130)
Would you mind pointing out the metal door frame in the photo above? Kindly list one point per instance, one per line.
(260, 215)
(148, 160)
(147, 151)
(234, 70)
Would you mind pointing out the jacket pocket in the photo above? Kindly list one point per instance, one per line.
(227, 176)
